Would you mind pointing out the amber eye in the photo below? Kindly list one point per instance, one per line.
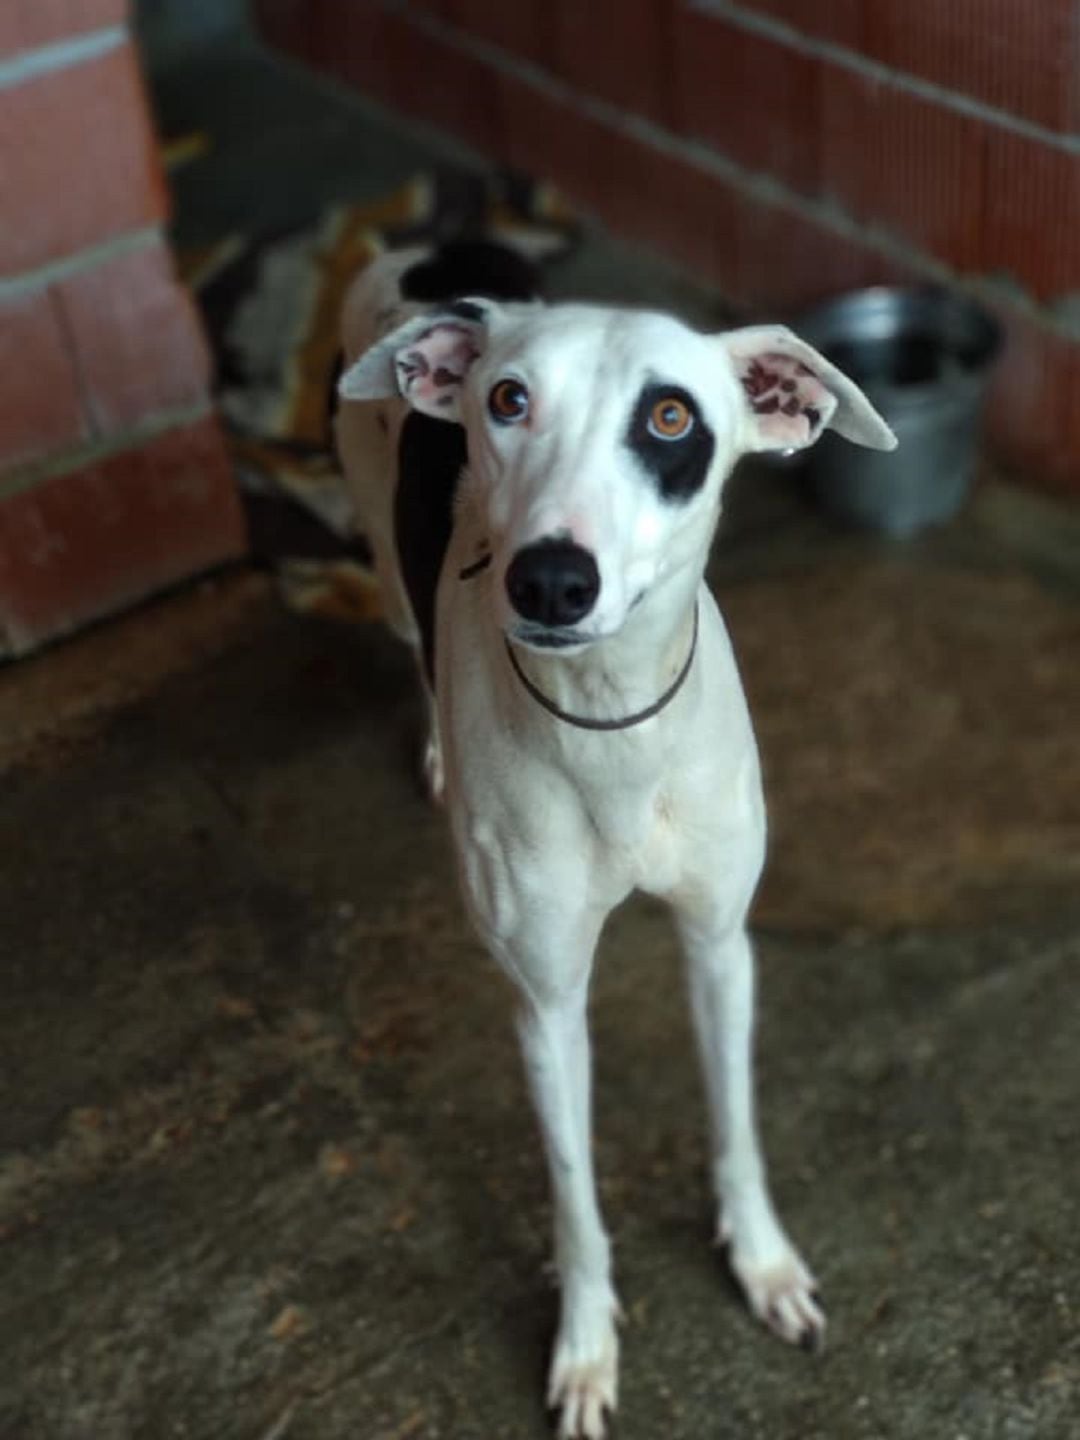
(670, 419)
(509, 402)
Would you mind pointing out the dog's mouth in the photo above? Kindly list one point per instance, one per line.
(543, 637)
(559, 637)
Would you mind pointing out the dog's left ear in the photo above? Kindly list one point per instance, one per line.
(794, 394)
(425, 361)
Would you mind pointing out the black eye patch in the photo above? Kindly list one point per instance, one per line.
(679, 466)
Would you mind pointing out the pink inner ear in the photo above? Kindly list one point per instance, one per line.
(791, 404)
(431, 369)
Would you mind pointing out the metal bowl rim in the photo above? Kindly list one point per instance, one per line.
(885, 306)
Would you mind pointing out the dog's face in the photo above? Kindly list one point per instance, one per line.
(599, 440)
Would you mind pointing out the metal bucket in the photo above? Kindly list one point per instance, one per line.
(923, 357)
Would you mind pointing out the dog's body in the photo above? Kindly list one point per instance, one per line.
(591, 732)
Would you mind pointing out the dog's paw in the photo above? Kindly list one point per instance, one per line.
(583, 1381)
(783, 1295)
(584, 1391)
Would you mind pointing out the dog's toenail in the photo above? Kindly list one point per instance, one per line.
(812, 1341)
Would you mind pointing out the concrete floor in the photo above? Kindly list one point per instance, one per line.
(267, 1163)
(267, 1169)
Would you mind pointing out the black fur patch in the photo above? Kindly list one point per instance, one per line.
(431, 455)
(472, 267)
(465, 310)
(678, 466)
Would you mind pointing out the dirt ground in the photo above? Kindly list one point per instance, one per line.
(267, 1164)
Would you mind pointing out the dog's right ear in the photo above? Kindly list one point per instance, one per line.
(425, 361)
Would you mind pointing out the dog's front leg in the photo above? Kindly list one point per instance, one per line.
(779, 1287)
(432, 767)
(583, 1376)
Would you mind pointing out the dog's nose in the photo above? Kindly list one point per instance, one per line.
(553, 582)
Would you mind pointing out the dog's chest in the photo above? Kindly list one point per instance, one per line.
(634, 826)
(658, 855)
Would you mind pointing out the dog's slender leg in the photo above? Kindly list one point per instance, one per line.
(583, 1376)
(778, 1285)
(432, 764)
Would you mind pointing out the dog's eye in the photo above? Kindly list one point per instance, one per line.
(508, 402)
(670, 419)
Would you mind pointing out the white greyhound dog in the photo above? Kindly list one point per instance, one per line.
(591, 728)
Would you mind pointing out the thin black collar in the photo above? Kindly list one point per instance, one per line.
(585, 722)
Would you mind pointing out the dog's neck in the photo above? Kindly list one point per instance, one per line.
(629, 672)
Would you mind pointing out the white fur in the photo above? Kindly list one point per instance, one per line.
(555, 825)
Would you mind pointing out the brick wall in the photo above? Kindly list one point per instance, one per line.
(113, 477)
(783, 150)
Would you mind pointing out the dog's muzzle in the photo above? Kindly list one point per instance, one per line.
(553, 583)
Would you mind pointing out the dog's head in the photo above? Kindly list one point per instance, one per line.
(599, 440)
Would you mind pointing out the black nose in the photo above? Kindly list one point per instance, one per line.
(553, 582)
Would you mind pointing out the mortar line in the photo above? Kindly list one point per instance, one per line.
(17, 287)
(1000, 290)
(28, 65)
(767, 26)
(79, 457)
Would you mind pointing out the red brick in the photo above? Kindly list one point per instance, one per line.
(1003, 53)
(78, 160)
(543, 136)
(754, 253)
(26, 24)
(635, 71)
(754, 100)
(840, 21)
(1068, 469)
(343, 36)
(285, 23)
(697, 220)
(348, 40)
(789, 262)
(534, 129)
(691, 217)
(443, 85)
(1032, 214)
(1024, 400)
(597, 167)
(40, 409)
(137, 338)
(895, 159)
(1033, 408)
(85, 544)
(522, 27)
(383, 54)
